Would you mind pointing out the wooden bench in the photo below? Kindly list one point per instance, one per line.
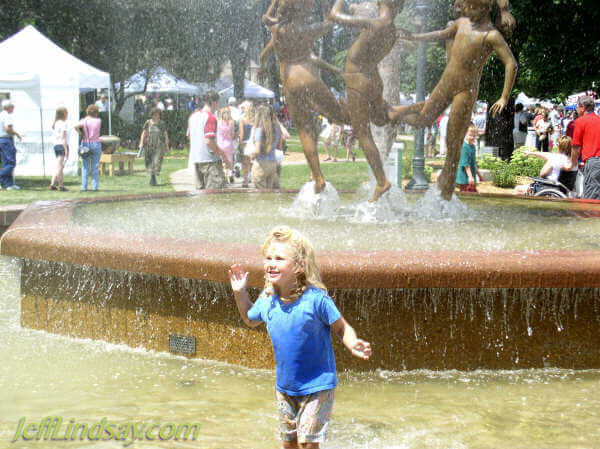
(110, 160)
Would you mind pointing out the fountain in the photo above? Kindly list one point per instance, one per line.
(502, 305)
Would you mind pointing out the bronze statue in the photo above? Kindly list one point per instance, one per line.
(471, 39)
(475, 38)
(304, 90)
(364, 88)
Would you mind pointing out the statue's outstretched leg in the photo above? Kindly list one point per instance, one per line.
(302, 118)
(458, 123)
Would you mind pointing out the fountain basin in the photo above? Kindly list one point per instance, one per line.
(437, 309)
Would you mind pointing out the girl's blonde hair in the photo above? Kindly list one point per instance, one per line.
(264, 118)
(225, 115)
(61, 114)
(564, 145)
(303, 254)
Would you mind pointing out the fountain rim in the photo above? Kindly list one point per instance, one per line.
(43, 231)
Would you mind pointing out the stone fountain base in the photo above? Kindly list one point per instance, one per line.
(433, 310)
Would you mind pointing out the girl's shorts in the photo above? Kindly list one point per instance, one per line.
(304, 418)
(59, 150)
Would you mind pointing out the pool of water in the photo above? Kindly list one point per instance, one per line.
(45, 375)
(481, 224)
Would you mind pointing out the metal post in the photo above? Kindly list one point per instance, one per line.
(418, 181)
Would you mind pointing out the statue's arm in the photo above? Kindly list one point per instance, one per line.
(503, 51)
(338, 16)
(325, 65)
(264, 55)
(317, 30)
(440, 35)
(268, 18)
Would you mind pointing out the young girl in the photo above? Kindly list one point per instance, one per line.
(266, 138)
(299, 315)
(225, 127)
(475, 38)
(61, 148)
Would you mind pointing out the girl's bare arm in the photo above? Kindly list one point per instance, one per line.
(264, 55)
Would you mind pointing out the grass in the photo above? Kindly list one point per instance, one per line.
(343, 176)
(35, 188)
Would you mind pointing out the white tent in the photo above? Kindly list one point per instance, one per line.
(40, 76)
(251, 90)
(159, 81)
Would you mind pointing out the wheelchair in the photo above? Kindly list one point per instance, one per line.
(563, 188)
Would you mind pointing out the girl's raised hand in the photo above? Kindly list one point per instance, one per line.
(238, 278)
(361, 349)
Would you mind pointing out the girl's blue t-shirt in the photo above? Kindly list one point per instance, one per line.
(301, 337)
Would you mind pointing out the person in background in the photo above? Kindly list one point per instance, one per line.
(102, 103)
(480, 121)
(330, 137)
(236, 113)
(245, 126)
(170, 105)
(543, 129)
(155, 142)
(89, 129)
(571, 125)
(555, 163)
(266, 138)
(61, 148)
(555, 120)
(520, 126)
(348, 141)
(8, 152)
(467, 167)
(586, 144)
(205, 155)
(225, 129)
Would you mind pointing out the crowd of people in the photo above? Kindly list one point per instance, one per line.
(575, 134)
(251, 134)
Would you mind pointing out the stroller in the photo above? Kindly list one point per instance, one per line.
(565, 187)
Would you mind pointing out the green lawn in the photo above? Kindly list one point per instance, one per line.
(343, 176)
(35, 188)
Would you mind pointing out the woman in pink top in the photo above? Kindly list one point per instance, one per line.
(89, 129)
(225, 126)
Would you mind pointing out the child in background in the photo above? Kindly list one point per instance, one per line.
(61, 148)
(299, 316)
(225, 128)
(467, 167)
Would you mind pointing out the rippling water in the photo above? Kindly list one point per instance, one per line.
(348, 222)
(46, 375)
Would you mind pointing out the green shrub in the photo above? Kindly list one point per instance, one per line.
(503, 175)
(407, 166)
(522, 165)
(488, 162)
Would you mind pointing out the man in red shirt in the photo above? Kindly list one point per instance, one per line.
(586, 144)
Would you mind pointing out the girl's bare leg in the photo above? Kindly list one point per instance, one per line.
(245, 170)
(60, 160)
(458, 123)
(425, 113)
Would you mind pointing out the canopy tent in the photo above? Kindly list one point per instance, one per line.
(159, 81)
(40, 76)
(251, 90)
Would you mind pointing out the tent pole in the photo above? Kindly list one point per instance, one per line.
(109, 113)
(42, 134)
